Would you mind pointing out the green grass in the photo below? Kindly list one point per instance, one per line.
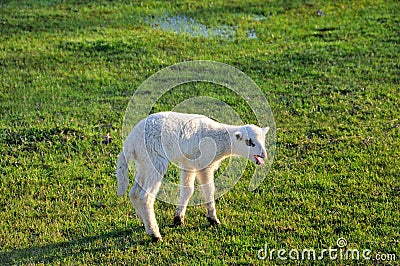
(68, 69)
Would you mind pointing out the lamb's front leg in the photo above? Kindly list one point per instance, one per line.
(186, 191)
(206, 179)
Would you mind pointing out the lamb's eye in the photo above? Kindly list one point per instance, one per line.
(249, 142)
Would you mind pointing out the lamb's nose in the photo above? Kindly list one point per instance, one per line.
(263, 154)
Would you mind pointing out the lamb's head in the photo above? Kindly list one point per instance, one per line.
(249, 142)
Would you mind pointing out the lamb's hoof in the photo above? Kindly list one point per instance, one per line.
(213, 222)
(156, 238)
(178, 221)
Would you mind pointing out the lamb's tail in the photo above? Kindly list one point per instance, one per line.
(122, 174)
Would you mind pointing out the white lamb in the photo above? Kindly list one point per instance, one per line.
(197, 144)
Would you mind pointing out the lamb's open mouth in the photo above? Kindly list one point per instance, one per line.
(259, 159)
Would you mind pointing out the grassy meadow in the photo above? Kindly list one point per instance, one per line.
(329, 69)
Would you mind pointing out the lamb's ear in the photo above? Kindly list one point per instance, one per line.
(265, 130)
(238, 135)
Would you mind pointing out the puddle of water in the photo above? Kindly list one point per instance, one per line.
(181, 24)
(259, 18)
(252, 34)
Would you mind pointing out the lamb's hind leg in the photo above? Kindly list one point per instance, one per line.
(143, 195)
(206, 179)
(186, 191)
(134, 195)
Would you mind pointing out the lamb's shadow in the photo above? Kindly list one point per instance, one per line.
(58, 251)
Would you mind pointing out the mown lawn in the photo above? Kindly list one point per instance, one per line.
(329, 69)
